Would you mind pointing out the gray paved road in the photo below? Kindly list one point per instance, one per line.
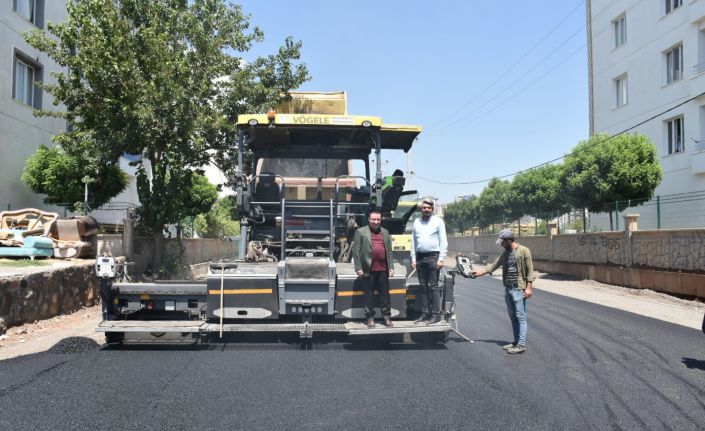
(588, 367)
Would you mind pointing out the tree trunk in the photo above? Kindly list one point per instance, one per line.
(157, 252)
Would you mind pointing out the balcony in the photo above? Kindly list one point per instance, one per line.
(698, 69)
(697, 164)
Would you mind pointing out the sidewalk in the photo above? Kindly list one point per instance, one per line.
(639, 301)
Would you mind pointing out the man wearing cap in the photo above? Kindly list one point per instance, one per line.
(429, 246)
(518, 279)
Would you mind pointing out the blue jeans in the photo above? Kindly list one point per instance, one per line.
(516, 307)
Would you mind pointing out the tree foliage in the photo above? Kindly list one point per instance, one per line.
(165, 80)
(60, 176)
(595, 174)
(605, 169)
(462, 215)
(218, 222)
(539, 190)
(495, 202)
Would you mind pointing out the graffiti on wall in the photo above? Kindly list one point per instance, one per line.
(605, 242)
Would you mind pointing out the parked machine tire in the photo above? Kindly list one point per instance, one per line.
(430, 337)
(114, 337)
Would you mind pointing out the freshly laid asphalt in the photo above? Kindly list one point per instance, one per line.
(587, 367)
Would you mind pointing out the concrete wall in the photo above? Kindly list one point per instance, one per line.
(195, 250)
(671, 261)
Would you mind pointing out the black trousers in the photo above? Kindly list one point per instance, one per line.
(379, 281)
(427, 271)
(106, 297)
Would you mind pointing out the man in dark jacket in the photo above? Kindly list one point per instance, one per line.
(372, 257)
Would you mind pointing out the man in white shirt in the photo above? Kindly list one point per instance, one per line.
(429, 246)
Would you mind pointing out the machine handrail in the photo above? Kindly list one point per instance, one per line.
(337, 185)
(308, 204)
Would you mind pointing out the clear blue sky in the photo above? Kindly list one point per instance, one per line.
(497, 86)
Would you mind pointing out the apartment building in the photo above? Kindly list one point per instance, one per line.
(647, 69)
(21, 133)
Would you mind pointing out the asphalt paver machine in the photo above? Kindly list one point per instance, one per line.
(299, 210)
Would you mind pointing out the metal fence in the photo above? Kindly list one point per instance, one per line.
(677, 211)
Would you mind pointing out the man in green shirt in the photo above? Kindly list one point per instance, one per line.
(518, 280)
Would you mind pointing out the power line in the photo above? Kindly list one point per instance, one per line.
(499, 105)
(505, 89)
(565, 155)
(511, 68)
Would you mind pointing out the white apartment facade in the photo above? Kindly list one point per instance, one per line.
(647, 57)
(21, 133)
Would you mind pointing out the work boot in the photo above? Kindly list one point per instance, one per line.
(422, 318)
(388, 321)
(435, 320)
(371, 322)
(509, 346)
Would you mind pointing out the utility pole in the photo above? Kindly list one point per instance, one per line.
(86, 179)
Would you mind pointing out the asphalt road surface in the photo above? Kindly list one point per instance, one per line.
(587, 367)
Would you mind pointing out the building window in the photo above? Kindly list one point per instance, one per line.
(25, 75)
(675, 136)
(672, 5)
(674, 64)
(31, 10)
(620, 31)
(620, 86)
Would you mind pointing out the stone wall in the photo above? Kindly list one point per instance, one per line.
(670, 261)
(682, 250)
(600, 248)
(44, 294)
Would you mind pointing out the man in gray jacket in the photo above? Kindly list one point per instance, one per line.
(518, 280)
(372, 257)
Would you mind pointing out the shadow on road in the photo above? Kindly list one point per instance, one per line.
(497, 342)
(694, 363)
(249, 341)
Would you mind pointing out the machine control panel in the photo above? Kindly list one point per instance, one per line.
(105, 267)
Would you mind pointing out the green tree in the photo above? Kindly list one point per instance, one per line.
(163, 79)
(606, 169)
(60, 176)
(201, 197)
(462, 215)
(495, 203)
(539, 190)
(218, 222)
